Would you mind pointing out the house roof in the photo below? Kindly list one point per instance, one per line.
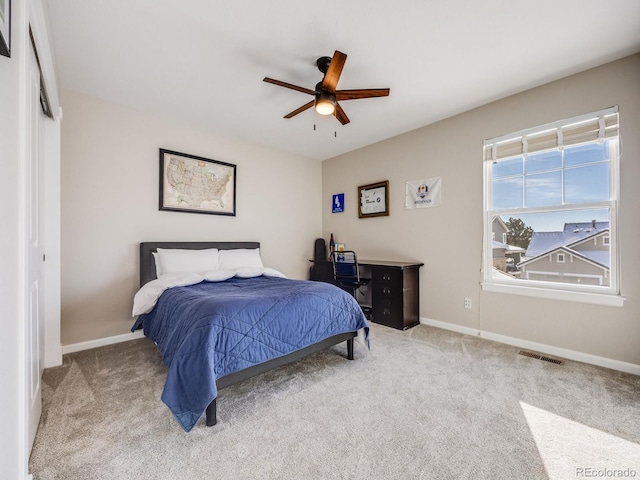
(202, 63)
(502, 275)
(542, 242)
(587, 227)
(496, 244)
(600, 257)
(514, 249)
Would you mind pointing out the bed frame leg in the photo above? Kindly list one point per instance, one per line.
(350, 349)
(211, 414)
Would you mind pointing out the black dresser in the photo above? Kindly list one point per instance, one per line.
(394, 292)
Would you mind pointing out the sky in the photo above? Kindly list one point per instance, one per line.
(575, 176)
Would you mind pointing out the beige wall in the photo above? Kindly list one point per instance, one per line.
(448, 238)
(109, 171)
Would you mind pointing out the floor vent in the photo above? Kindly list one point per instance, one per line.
(540, 357)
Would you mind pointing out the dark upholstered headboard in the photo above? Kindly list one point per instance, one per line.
(148, 264)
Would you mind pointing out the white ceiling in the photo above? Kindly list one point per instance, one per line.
(202, 61)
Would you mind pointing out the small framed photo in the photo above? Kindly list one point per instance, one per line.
(5, 28)
(196, 184)
(374, 200)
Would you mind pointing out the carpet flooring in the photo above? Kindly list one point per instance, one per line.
(421, 404)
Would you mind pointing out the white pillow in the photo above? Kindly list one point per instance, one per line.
(249, 272)
(240, 258)
(180, 260)
(219, 275)
(156, 259)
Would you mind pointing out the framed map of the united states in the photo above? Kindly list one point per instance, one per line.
(196, 185)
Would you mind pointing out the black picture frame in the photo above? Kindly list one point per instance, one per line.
(373, 200)
(5, 28)
(193, 184)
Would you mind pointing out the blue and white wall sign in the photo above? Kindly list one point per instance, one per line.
(337, 203)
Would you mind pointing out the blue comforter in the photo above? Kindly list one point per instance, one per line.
(209, 330)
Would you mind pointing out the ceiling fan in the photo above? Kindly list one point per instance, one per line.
(326, 97)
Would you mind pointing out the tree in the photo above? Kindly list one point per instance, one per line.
(519, 234)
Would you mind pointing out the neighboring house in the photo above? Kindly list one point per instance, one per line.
(499, 236)
(505, 256)
(578, 254)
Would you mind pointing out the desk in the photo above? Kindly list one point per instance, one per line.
(393, 293)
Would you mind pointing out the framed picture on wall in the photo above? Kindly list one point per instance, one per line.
(374, 200)
(196, 184)
(5, 28)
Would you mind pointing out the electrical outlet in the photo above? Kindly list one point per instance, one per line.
(467, 302)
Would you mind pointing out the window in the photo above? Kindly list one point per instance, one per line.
(555, 189)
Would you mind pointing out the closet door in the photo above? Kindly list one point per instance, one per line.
(34, 250)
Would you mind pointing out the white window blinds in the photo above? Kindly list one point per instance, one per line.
(585, 128)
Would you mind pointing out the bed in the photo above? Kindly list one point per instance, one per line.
(236, 322)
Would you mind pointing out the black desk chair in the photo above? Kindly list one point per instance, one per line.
(346, 272)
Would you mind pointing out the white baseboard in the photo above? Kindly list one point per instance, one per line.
(101, 342)
(538, 347)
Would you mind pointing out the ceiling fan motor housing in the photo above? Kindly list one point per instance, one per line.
(323, 64)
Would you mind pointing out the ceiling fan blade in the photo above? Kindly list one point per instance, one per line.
(361, 93)
(289, 85)
(300, 110)
(340, 115)
(332, 76)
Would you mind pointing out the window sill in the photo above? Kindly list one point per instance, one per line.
(571, 296)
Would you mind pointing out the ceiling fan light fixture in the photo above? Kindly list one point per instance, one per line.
(325, 103)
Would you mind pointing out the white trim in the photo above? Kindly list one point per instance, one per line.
(538, 347)
(101, 342)
(568, 295)
(563, 274)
